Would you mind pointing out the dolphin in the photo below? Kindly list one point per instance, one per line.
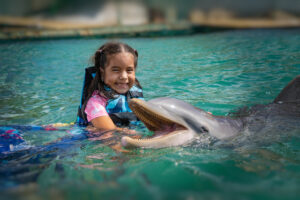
(175, 122)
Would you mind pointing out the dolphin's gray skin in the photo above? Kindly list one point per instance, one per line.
(176, 122)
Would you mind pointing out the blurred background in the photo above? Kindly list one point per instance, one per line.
(16, 15)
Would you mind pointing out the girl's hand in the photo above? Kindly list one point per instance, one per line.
(126, 130)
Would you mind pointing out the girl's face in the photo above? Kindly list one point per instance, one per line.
(119, 72)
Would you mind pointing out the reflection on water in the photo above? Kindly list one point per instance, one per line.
(221, 72)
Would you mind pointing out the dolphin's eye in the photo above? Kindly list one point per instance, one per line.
(204, 130)
(196, 126)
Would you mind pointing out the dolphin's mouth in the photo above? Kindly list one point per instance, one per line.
(155, 121)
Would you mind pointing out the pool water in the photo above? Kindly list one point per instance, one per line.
(40, 83)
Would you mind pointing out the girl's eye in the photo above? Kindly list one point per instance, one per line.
(129, 70)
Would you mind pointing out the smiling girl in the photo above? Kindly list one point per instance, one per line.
(105, 97)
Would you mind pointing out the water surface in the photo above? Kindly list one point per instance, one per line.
(40, 83)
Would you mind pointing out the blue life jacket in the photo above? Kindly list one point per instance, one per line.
(120, 103)
(117, 108)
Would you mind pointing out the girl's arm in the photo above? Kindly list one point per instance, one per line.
(97, 115)
(105, 123)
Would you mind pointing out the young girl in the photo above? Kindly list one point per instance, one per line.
(105, 97)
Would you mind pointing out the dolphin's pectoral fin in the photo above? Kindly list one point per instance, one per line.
(291, 92)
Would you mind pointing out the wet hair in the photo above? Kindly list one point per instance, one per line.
(100, 61)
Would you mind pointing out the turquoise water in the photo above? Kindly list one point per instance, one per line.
(40, 83)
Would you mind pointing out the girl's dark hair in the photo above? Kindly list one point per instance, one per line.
(100, 59)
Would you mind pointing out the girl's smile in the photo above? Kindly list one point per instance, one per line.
(119, 72)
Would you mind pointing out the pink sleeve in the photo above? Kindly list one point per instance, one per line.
(95, 107)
